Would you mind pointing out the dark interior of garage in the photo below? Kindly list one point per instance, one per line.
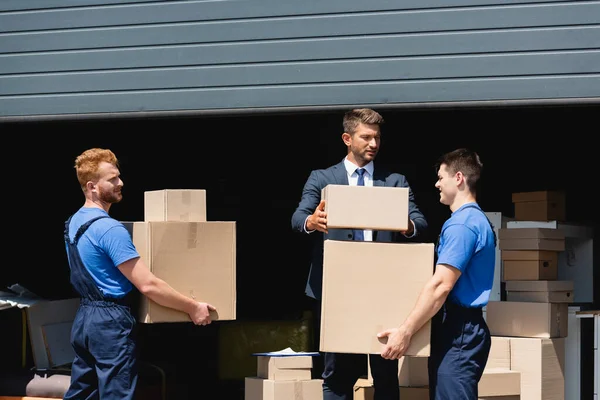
(253, 168)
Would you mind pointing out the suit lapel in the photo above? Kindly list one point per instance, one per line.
(340, 175)
(378, 180)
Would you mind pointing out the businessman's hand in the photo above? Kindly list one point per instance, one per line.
(201, 313)
(318, 221)
(411, 229)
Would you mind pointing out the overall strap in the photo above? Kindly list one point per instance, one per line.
(81, 229)
(472, 205)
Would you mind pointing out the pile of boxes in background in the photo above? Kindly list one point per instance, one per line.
(194, 256)
(283, 377)
(529, 327)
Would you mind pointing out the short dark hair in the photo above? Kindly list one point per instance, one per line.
(465, 161)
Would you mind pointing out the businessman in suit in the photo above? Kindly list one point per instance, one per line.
(362, 136)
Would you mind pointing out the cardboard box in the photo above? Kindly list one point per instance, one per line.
(366, 207)
(499, 357)
(265, 389)
(291, 368)
(531, 239)
(197, 259)
(187, 205)
(413, 371)
(379, 284)
(540, 291)
(364, 390)
(541, 363)
(526, 319)
(524, 265)
(499, 382)
(539, 206)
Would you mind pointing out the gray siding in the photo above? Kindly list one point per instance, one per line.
(64, 57)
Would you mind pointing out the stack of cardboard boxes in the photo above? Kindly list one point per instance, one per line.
(283, 377)
(529, 327)
(371, 286)
(195, 256)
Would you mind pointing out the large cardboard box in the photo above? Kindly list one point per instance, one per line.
(529, 265)
(265, 389)
(539, 206)
(188, 205)
(366, 207)
(540, 291)
(531, 239)
(197, 259)
(541, 363)
(527, 319)
(369, 287)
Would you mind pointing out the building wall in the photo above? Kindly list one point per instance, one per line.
(88, 57)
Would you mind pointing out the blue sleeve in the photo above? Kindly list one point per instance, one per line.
(118, 245)
(457, 246)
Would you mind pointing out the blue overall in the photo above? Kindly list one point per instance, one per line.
(460, 345)
(102, 336)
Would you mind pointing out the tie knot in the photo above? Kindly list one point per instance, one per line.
(360, 171)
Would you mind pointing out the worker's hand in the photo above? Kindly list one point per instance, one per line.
(201, 314)
(396, 342)
(318, 221)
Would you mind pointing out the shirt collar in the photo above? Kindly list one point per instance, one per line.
(351, 167)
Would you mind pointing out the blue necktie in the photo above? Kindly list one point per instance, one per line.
(358, 233)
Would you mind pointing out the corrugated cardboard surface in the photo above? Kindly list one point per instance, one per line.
(292, 368)
(541, 297)
(530, 233)
(529, 265)
(542, 195)
(531, 239)
(527, 319)
(539, 206)
(499, 382)
(369, 287)
(187, 205)
(413, 371)
(541, 363)
(364, 390)
(540, 286)
(366, 207)
(540, 291)
(499, 357)
(265, 389)
(197, 259)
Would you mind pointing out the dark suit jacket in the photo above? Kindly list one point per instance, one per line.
(311, 196)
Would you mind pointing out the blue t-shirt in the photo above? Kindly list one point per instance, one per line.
(103, 247)
(467, 244)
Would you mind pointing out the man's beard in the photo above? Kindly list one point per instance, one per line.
(111, 197)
